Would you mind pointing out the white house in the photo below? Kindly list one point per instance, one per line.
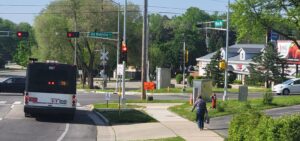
(239, 58)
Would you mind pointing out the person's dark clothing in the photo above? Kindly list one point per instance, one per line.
(200, 104)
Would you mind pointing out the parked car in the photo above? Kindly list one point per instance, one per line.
(291, 86)
(12, 84)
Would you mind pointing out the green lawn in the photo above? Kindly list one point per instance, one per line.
(126, 116)
(114, 106)
(251, 89)
(167, 139)
(234, 106)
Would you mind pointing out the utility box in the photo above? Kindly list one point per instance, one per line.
(243, 93)
(163, 78)
(204, 87)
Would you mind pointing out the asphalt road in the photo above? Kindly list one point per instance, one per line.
(14, 126)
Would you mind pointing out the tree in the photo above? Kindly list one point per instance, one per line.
(84, 16)
(213, 71)
(267, 66)
(254, 18)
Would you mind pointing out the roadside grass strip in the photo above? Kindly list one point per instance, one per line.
(126, 116)
(234, 106)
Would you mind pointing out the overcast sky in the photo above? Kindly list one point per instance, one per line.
(25, 10)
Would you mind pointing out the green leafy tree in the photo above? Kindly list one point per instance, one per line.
(267, 66)
(253, 18)
(85, 16)
(213, 70)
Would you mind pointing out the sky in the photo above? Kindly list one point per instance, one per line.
(26, 10)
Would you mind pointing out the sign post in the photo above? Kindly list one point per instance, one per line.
(107, 98)
(149, 86)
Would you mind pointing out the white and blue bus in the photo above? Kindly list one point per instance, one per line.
(50, 89)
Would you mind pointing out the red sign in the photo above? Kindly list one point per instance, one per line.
(149, 85)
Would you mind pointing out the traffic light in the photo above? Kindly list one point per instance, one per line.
(222, 65)
(123, 53)
(186, 56)
(21, 34)
(72, 34)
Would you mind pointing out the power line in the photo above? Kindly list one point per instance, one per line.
(153, 6)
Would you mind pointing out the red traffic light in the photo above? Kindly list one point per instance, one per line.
(72, 34)
(22, 34)
(124, 47)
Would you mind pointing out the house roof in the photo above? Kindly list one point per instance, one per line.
(248, 48)
(207, 56)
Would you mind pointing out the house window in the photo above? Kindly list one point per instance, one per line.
(242, 57)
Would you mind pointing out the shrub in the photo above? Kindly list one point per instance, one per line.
(190, 80)
(254, 126)
(267, 98)
(179, 78)
(221, 106)
(242, 126)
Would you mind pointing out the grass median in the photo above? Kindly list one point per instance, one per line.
(234, 106)
(126, 115)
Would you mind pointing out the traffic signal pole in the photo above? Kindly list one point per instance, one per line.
(124, 40)
(183, 76)
(226, 55)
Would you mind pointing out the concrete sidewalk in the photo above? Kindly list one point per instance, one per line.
(169, 125)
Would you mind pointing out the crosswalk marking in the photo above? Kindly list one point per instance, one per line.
(17, 103)
(20, 102)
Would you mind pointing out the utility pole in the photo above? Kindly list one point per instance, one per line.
(144, 48)
(75, 47)
(226, 54)
(183, 76)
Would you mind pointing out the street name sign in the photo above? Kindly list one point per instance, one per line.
(218, 23)
(100, 34)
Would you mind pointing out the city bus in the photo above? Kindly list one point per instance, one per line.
(50, 89)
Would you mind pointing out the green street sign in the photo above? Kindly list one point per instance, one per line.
(101, 34)
(219, 23)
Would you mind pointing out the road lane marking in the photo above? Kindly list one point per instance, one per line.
(12, 106)
(0, 118)
(64, 133)
(3, 102)
(17, 103)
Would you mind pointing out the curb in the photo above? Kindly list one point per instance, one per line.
(106, 121)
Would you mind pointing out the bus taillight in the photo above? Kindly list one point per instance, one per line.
(74, 100)
(26, 98)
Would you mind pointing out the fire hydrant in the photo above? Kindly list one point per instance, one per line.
(191, 100)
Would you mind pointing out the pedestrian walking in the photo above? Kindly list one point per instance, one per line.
(200, 104)
(214, 101)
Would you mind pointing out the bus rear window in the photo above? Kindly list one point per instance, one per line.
(51, 81)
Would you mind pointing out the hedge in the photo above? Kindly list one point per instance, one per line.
(255, 126)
